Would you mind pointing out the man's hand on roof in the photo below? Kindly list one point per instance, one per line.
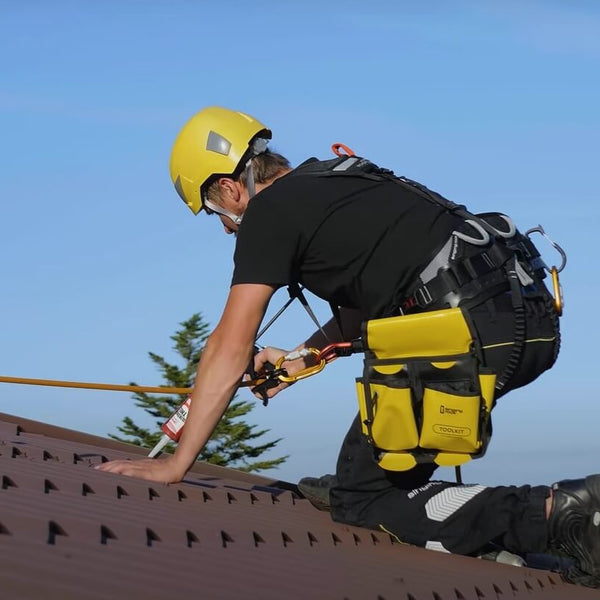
(164, 470)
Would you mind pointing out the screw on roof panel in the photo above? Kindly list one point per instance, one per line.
(286, 539)
(152, 493)
(257, 538)
(231, 498)
(181, 496)
(121, 492)
(4, 530)
(312, 539)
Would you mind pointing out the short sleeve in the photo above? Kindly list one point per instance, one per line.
(267, 242)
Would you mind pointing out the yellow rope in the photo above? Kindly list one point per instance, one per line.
(96, 386)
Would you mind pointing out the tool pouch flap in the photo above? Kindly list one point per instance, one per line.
(436, 333)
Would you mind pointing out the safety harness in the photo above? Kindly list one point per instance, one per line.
(424, 395)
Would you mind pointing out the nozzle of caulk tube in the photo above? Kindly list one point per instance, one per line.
(164, 440)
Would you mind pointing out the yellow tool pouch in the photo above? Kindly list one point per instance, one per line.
(423, 396)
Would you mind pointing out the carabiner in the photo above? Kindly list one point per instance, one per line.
(557, 289)
(563, 255)
(312, 370)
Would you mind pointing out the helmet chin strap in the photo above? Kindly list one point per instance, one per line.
(250, 179)
(221, 211)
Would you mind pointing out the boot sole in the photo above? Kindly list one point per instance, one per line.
(582, 538)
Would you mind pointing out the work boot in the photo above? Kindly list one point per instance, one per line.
(574, 527)
(316, 490)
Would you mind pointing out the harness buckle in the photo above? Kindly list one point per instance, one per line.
(423, 297)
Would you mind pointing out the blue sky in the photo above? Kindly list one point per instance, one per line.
(494, 104)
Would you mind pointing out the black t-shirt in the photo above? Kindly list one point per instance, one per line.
(352, 241)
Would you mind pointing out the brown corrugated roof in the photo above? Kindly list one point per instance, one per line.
(69, 531)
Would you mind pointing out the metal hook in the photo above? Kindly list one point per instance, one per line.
(482, 241)
(563, 255)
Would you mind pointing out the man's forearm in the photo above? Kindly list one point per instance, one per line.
(218, 377)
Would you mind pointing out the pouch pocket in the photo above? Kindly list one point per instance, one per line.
(387, 415)
(450, 421)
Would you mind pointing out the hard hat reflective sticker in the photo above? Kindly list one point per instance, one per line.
(179, 189)
(217, 143)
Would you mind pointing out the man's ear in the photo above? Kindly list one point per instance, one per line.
(228, 189)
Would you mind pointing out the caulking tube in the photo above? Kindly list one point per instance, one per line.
(172, 428)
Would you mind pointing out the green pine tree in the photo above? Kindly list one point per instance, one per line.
(232, 442)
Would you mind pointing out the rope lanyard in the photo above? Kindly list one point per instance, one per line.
(278, 374)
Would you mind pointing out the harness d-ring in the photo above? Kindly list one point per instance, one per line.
(346, 151)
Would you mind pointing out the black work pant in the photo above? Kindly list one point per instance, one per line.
(443, 515)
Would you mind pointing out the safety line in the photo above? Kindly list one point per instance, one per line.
(96, 386)
(392, 534)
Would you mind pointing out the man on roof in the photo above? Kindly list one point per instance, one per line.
(449, 308)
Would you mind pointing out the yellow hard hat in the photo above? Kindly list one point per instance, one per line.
(216, 142)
